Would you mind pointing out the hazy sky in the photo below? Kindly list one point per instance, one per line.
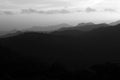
(27, 13)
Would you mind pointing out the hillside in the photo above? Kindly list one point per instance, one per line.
(100, 42)
(75, 51)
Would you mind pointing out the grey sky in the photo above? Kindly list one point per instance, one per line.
(28, 13)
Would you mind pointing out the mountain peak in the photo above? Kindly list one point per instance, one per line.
(85, 24)
(63, 25)
(48, 28)
(115, 23)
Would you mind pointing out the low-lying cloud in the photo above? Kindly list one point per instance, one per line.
(110, 10)
(90, 10)
(5, 12)
(55, 11)
(29, 11)
(52, 11)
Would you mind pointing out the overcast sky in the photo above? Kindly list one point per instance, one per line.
(28, 13)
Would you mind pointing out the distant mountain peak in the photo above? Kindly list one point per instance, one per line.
(115, 23)
(84, 24)
(48, 28)
(62, 25)
(10, 33)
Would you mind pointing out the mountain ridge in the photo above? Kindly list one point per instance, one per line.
(86, 26)
(74, 49)
(48, 28)
(61, 27)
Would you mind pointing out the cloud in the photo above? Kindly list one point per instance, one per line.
(28, 11)
(110, 10)
(55, 11)
(21, 4)
(79, 11)
(62, 11)
(31, 11)
(34, 3)
(90, 10)
(8, 13)
(58, 6)
(5, 12)
(44, 4)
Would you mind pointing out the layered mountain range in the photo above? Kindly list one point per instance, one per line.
(81, 26)
(75, 49)
(60, 28)
(71, 47)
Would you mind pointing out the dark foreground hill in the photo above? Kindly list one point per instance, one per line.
(68, 54)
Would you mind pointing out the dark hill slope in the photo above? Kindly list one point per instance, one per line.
(87, 48)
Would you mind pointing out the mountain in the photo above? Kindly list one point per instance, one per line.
(85, 26)
(115, 23)
(96, 46)
(3, 32)
(47, 28)
(90, 26)
(32, 53)
(10, 33)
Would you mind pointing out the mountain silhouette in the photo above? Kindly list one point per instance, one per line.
(96, 45)
(10, 33)
(115, 23)
(85, 26)
(67, 54)
(61, 27)
(47, 28)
